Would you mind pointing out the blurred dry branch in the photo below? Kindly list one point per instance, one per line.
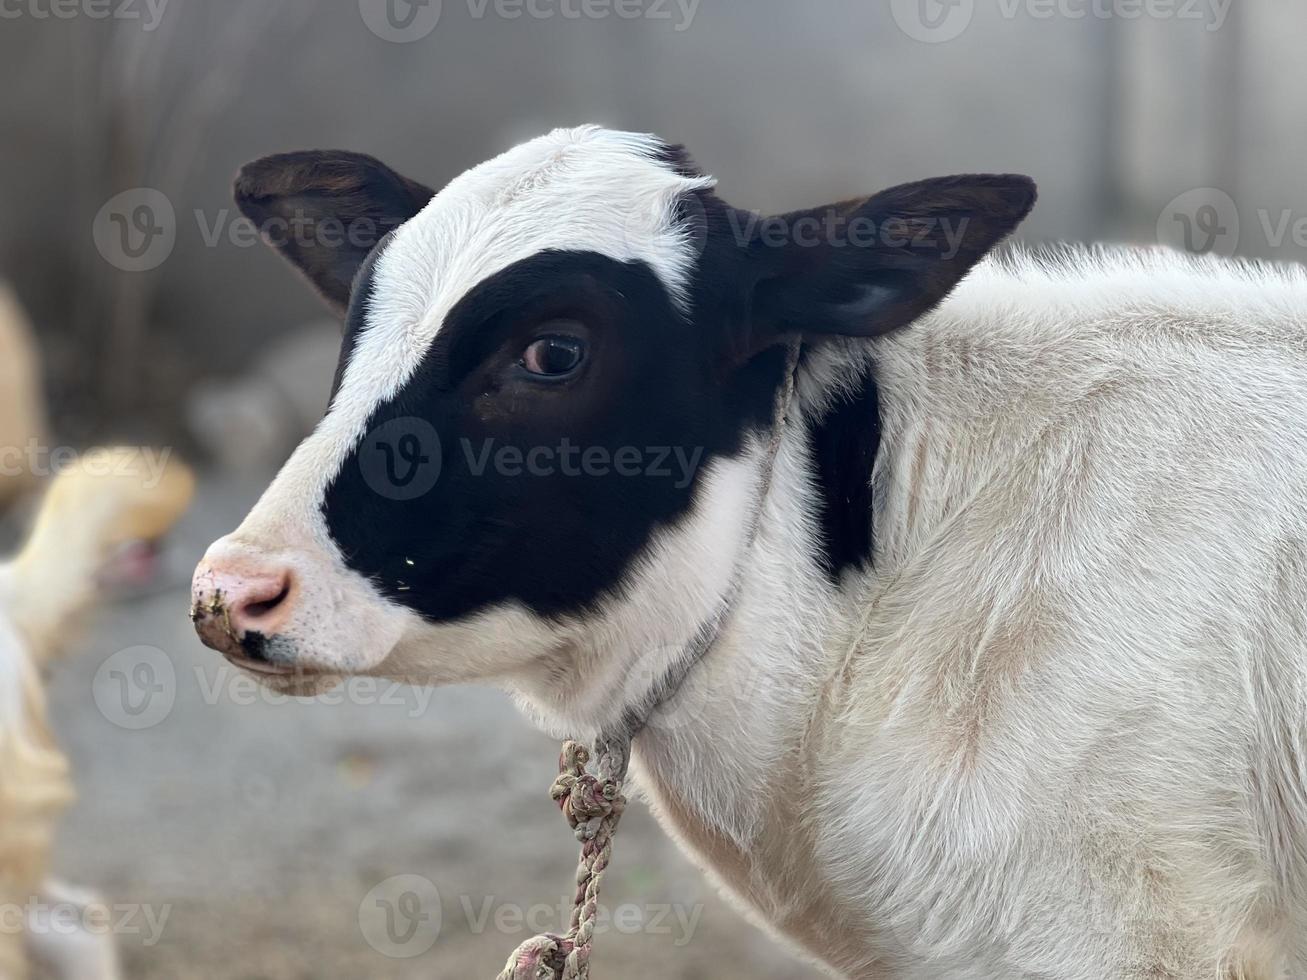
(154, 135)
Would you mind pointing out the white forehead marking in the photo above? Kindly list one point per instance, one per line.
(586, 189)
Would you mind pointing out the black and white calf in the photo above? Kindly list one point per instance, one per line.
(1010, 679)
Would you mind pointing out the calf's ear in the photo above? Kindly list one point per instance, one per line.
(325, 210)
(865, 267)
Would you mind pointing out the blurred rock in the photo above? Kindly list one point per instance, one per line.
(251, 424)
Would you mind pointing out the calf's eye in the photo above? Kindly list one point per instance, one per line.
(553, 357)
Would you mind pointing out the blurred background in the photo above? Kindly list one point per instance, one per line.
(266, 830)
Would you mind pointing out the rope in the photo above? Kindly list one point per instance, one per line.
(593, 803)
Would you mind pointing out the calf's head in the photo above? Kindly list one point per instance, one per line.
(558, 376)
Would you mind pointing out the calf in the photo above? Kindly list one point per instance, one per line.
(972, 621)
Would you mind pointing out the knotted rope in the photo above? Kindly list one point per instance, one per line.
(593, 805)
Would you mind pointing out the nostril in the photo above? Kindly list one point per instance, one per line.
(260, 608)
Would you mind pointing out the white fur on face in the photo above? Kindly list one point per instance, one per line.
(584, 189)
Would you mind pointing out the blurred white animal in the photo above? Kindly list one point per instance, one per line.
(97, 524)
(22, 405)
(252, 423)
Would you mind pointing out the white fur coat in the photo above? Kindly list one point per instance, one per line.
(1058, 730)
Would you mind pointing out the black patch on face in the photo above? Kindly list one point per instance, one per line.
(553, 535)
(255, 646)
(844, 447)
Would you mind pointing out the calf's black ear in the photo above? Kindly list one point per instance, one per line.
(325, 210)
(865, 267)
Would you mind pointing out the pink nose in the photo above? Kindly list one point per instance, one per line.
(237, 604)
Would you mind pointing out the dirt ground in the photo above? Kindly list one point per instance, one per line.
(395, 833)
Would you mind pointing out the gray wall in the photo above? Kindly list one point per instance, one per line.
(788, 103)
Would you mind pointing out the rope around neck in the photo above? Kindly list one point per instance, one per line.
(593, 803)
